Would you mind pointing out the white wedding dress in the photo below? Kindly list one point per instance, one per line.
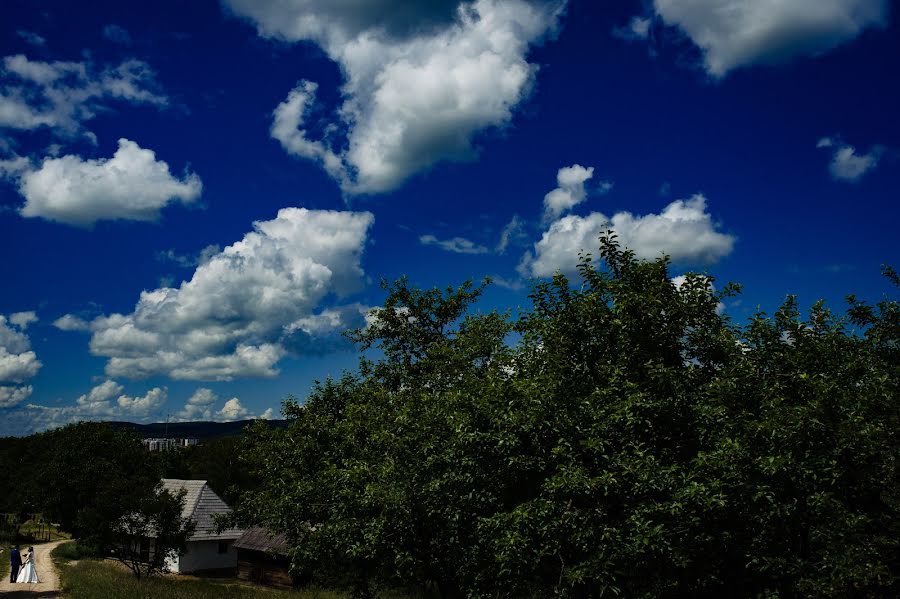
(28, 574)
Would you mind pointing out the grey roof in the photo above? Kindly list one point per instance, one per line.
(260, 539)
(200, 503)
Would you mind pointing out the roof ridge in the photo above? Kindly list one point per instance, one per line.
(197, 499)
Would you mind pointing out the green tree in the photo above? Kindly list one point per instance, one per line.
(150, 534)
(103, 487)
(91, 474)
(621, 438)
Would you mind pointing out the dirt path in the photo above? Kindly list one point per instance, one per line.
(49, 585)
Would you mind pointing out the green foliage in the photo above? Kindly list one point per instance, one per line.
(102, 487)
(91, 475)
(157, 516)
(68, 552)
(216, 461)
(633, 442)
(23, 497)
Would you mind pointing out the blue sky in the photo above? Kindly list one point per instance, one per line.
(196, 198)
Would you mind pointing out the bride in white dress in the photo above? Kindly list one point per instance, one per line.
(28, 574)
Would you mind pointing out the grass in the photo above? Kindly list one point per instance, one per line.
(95, 579)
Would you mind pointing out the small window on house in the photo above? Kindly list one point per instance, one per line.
(223, 547)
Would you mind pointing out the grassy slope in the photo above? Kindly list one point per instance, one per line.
(92, 579)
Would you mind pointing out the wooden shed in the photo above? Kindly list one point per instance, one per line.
(262, 558)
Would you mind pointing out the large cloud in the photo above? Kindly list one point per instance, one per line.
(63, 95)
(421, 79)
(18, 362)
(736, 33)
(237, 314)
(683, 230)
(132, 185)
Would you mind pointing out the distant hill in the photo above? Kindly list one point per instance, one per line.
(200, 430)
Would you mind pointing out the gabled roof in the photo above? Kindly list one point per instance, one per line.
(200, 503)
(260, 539)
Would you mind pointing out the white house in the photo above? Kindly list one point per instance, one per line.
(206, 549)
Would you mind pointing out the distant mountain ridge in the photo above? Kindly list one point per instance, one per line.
(199, 430)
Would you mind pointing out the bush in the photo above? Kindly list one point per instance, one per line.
(70, 552)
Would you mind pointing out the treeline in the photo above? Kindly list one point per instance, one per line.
(620, 438)
(99, 484)
(61, 472)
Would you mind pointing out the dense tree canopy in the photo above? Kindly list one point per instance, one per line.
(101, 486)
(622, 437)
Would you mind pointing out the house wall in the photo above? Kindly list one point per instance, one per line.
(204, 555)
(173, 564)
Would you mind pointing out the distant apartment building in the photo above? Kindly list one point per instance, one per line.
(163, 444)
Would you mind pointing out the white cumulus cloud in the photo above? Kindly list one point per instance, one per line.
(144, 405)
(70, 322)
(421, 79)
(18, 362)
(737, 33)
(233, 317)
(132, 185)
(198, 406)
(23, 319)
(107, 400)
(17, 368)
(233, 410)
(97, 401)
(846, 164)
(684, 230)
(570, 191)
(12, 395)
(62, 96)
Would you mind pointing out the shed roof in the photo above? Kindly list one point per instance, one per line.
(260, 539)
(200, 503)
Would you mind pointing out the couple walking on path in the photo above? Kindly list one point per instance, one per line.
(47, 584)
(22, 571)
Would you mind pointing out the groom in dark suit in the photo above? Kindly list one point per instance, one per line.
(15, 562)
